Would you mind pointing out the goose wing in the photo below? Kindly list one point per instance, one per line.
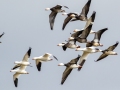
(52, 19)
(91, 19)
(101, 57)
(38, 65)
(76, 34)
(83, 59)
(85, 9)
(2, 34)
(15, 79)
(65, 74)
(66, 22)
(99, 33)
(27, 55)
(86, 32)
(74, 61)
(111, 48)
(16, 66)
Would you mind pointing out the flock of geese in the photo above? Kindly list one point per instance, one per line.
(78, 36)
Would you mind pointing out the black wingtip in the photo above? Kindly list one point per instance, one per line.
(55, 57)
(16, 82)
(29, 51)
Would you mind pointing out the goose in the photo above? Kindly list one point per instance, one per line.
(89, 21)
(84, 12)
(76, 34)
(96, 41)
(68, 18)
(86, 52)
(108, 51)
(54, 10)
(70, 44)
(2, 35)
(18, 72)
(69, 67)
(84, 35)
(43, 58)
(24, 60)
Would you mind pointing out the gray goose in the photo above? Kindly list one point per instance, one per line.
(108, 51)
(69, 17)
(70, 44)
(56, 9)
(83, 14)
(84, 35)
(97, 37)
(76, 34)
(69, 67)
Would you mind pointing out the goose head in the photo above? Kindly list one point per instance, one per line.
(61, 64)
(98, 50)
(76, 30)
(92, 32)
(71, 38)
(17, 62)
(61, 44)
(47, 9)
(64, 14)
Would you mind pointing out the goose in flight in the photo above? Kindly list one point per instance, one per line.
(89, 21)
(70, 44)
(24, 60)
(96, 41)
(68, 18)
(86, 52)
(84, 12)
(54, 10)
(69, 67)
(108, 51)
(84, 35)
(18, 72)
(43, 58)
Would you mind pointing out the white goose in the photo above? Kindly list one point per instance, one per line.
(24, 61)
(19, 71)
(43, 58)
(86, 52)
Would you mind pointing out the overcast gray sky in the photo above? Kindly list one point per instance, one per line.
(26, 24)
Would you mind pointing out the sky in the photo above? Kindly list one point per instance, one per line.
(26, 24)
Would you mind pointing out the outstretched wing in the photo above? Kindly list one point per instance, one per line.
(27, 55)
(85, 9)
(66, 22)
(101, 57)
(15, 79)
(52, 19)
(111, 48)
(65, 74)
(86, 32)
